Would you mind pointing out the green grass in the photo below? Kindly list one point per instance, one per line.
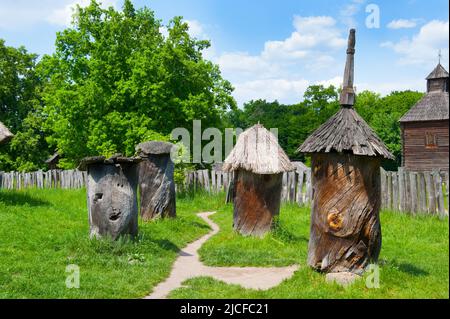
(414, 260)
(43, 231)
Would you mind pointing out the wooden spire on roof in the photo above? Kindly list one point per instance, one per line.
(346, 130)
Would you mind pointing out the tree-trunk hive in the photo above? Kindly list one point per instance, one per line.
(258, 162)
(111, 196)
(346, 155)
(156, 180)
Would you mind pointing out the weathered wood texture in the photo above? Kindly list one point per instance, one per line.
(256, 202)
(416, 155)
(427, 200)
(415, 192)
(112, 201)
(345, 226)
(157, 187)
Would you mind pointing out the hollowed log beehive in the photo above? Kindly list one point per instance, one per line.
(111, 196)
(258, 162)
(346, 155)
(156, 180)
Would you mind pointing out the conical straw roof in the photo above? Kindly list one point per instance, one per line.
(257, 150)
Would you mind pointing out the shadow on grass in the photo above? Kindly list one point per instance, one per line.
(16, 198)
(409, 268)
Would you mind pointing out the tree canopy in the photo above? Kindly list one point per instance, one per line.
(115, 80)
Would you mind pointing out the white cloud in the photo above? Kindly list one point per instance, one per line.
(310, 32)
(423, 47)
(336, 81)
(349, 11)
(23, 14)
(283, 90)
(280, 70)
(63, 15)
(196, 29)
(402, 24)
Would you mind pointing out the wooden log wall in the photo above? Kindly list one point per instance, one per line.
(402, 191)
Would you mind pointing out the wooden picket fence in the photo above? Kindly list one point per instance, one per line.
(296, 186)
(40, 179)
(402, 191)
(415, 192)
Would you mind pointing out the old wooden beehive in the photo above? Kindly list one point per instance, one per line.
(258, 162)
(156, 180)
(345, 154)
(111, 196)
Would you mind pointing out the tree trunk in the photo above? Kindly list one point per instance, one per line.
(157, 187)
(345, 225)
(256, 202)
(112, 202)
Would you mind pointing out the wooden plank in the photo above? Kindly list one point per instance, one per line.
(431, 195)
(395, 201)
(292, 182)
(299, 197)
(413, 192)
(407, 180)
(284, 187)
(308, 186)
(213, 182)
(389, 190)
(439, 193)
(422, 193)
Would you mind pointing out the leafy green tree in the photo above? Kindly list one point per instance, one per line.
(115, 81)
(20, 110)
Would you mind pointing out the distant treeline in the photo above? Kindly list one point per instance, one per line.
(115, 80)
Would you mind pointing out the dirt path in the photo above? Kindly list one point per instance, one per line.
(188, 265)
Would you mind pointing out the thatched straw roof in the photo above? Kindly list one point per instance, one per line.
(257, 150)
(346, 131)
(5, 134)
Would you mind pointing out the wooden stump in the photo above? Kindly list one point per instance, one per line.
(345, 226)
(157, 187)
(256, 202)
(111, 195)
(112, 201)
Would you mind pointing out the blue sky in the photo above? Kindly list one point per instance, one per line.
(275, 49)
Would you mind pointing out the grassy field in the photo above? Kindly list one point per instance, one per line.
(414, 260)
(43, 231)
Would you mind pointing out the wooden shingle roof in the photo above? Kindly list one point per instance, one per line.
(432, 107)
(438, 73)
(346, 131)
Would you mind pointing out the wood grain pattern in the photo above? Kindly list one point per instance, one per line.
(256, 202)
(345, 226)
(157, 187)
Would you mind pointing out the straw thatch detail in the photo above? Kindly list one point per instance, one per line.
(5, 134)
(257, 151)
